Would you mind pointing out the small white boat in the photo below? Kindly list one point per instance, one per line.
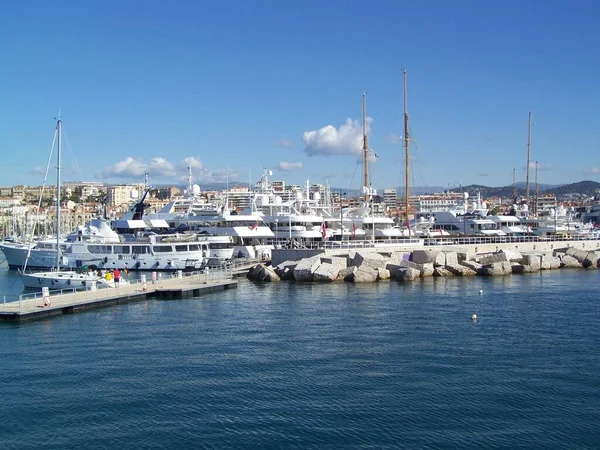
(66, 279)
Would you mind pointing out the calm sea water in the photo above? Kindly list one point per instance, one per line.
(321, 366)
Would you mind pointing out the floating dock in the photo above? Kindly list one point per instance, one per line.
(38, 306)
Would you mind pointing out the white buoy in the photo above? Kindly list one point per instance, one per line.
(480, 291)
(474, 317)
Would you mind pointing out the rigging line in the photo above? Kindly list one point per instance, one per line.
(68, 145)
(39, 205)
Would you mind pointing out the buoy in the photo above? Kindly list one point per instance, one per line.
(474, 317)
(480, 291)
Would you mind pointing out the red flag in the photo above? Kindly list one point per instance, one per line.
(323, 230)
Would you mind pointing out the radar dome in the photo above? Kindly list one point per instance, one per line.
(298, 196)
(195, 189)
(465, 195)
(316, 196)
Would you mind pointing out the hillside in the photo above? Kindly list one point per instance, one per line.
(584, 188)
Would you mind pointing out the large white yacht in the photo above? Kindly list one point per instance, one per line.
(467, 219)
(97, 244)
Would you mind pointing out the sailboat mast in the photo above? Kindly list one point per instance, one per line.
(528, 160)
(407, 155)
(537, 191)
(58, 183)
(365, 148)
(514, 191)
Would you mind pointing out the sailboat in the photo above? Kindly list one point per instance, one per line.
(61, 279)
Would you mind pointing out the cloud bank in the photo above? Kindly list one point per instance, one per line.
(161, 170)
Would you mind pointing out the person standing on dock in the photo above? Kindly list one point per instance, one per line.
(116, 276)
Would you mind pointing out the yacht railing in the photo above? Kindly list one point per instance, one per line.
(447, 240)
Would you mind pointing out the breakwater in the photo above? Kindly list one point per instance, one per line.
(362, 263)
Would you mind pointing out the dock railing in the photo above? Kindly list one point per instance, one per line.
(71, 296)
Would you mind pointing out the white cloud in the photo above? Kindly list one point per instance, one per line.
(192, 162)
(203, 176)
(160, 167)
(283, 143)
(161, 170)
(134, 169)
(284, 165)
(592, 171)
(128, 168)
(347, 140)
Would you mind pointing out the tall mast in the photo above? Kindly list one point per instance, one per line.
(407, 154)
(528, 160)
(58, 158)
(514, 191)
(536, 188)
(365, 147)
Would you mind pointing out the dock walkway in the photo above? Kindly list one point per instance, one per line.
(172, 286)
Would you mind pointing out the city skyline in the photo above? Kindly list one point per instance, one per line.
(228, 89)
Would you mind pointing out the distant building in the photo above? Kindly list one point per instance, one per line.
(390, 198)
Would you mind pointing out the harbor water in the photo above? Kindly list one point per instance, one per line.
(325, 366)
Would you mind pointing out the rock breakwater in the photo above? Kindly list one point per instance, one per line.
(404, 266)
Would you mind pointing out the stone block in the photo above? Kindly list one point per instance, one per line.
(383, 274)
(365, 274)
(497, 269)
(370, 260)
(306, 267)
(549, 262)
(441, 271)
(493, 258)
(326, 272)
(451, 259)
(512, 254)
(407, 274)
(569, 261)
(440, 259)
(347, 274)
(590, 261)
(427, 270)
(473, 265)
(424, 256)
(460, 270)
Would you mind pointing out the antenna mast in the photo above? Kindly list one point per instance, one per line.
(407, 155)
(528, 160)
(365, 147)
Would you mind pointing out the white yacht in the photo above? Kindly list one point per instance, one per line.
(97, 244)
(248, 233)
(511, 225)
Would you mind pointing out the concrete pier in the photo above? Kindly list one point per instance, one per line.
(36, 306)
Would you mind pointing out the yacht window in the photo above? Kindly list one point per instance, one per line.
(139, 249)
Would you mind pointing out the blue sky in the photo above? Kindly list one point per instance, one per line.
(231, 87)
